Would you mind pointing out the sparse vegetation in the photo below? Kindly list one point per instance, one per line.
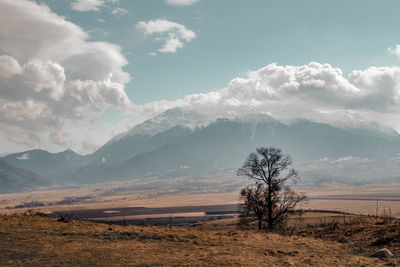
(320, 237)
(65, 217)
(41, 241)
(362, 234)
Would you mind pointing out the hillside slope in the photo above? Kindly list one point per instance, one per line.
(42, 241)
(224, 145)
(55, 168)
(13, 179)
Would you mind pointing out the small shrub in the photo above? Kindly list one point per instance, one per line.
(64, 217)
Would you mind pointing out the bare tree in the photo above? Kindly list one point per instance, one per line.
(254, 199)
(271, 168)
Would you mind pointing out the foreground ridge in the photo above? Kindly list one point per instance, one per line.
(42, 241)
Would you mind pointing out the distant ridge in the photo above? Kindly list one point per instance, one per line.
(13, 179)
(179, 142)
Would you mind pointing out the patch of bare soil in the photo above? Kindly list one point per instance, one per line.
(40, 241)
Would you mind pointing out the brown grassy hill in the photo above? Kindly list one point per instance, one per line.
(37, 241)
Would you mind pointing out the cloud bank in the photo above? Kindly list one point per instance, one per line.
(51, 73)
(315, 91)
(172, 34)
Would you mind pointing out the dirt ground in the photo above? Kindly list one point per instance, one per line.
(40, 241)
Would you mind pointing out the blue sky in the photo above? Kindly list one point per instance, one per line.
(235, 36)
(74, 73)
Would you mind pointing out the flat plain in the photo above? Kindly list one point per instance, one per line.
(108, 200)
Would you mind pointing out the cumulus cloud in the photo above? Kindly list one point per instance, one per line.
(181, 2)
(40, 76)
(379, 88)
(51, 73)
(8, 67)
(315, 91)
(172, 34)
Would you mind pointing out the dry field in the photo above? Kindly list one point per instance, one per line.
(38, 241)
(119, 194)
(115, 196)
(307, 219)
(318, 239)
(356, 199)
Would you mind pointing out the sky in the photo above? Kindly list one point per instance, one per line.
(74, 73)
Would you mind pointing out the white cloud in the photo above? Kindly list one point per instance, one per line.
(315, 91)
(171, 45)
(181, 2)
(52, 78)
(171, 33)
(51, 73)
(394, 51)
(119, 11)
(41, 76)
(87, 5)
(8, 67)
(90, 5)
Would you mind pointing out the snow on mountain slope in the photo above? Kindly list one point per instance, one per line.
(167, 120)
(192, 120)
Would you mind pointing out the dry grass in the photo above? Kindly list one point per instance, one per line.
(36, 241)
(360, 234)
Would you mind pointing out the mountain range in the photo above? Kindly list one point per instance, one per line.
(185, 143)
(13, 179)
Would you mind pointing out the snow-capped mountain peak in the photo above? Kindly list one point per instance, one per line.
(173, 117)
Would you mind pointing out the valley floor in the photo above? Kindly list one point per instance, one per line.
(115, 200)
(41, 241)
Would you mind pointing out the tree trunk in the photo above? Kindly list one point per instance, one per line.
(259, 223)
(269, 208)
